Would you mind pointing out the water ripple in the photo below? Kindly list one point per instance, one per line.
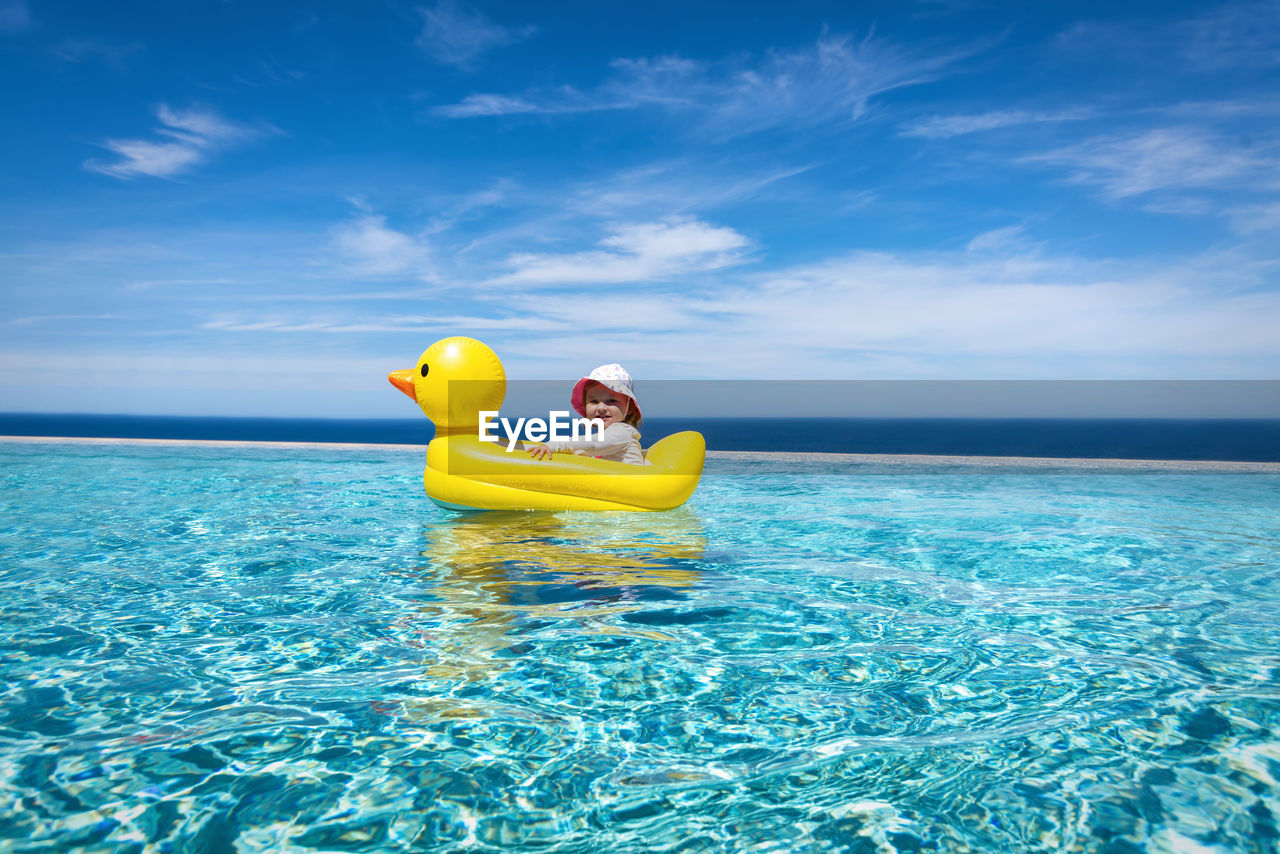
(287, 649)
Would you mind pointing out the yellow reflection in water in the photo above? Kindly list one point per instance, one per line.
(495, 572)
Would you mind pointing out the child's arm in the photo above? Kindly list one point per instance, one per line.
(616, 438)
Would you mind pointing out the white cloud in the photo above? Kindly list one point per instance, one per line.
(14, 16)
(944, 127)
(674, 239)
(1181, 205)
(679, 186)
(614, 313)
(141, 157)
(635, 252)
(1005, 239)
(831, 81)
(962, 315)
(181, 284)
(1164, 159)
(193, 136)
(1266, 107)
(1256, 219)
(201, 127)
(43, 319)
(454, 35)
(368, 247)
(489, 105)
(433, 324)
(999, 309)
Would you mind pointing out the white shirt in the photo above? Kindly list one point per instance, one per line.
(620, 443)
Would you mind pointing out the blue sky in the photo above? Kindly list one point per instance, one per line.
(260, 209)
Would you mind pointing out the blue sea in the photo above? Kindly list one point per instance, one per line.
(207, 647)
(1160, 439)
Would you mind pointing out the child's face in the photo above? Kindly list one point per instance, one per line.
(605, 404)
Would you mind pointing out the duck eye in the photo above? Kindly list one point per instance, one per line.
(423, 370)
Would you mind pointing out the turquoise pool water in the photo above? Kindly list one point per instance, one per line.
(263, 648)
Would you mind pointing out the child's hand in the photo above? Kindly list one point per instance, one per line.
(540, 452)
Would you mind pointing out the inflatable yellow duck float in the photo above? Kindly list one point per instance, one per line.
(458, 378)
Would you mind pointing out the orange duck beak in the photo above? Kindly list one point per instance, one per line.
(403, 380)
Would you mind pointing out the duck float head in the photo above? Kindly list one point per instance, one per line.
(458, 378)
(455, 379)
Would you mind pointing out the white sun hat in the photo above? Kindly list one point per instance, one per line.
(613, 377)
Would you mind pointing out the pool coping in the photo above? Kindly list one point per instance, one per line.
(881, 460)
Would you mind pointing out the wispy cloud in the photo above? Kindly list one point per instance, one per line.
(1002, 307)
(82, 50)
(455, 35)
(14, 16)
(1256, 219)
(666, 80)
(180, 284)
(830, 81)
(1222, 109)
(185, 139)
(269, 72)
(1008, 239)
(944, 127)
(511, 217)
(143, 157)
(679, 186)
(39, 319)
(1244, 35)
(1176, 158)
(1234, 34)
(996, 315)
(496, 105)
(424, 323)
(996, 310)
(635, 252)
(368, 247)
